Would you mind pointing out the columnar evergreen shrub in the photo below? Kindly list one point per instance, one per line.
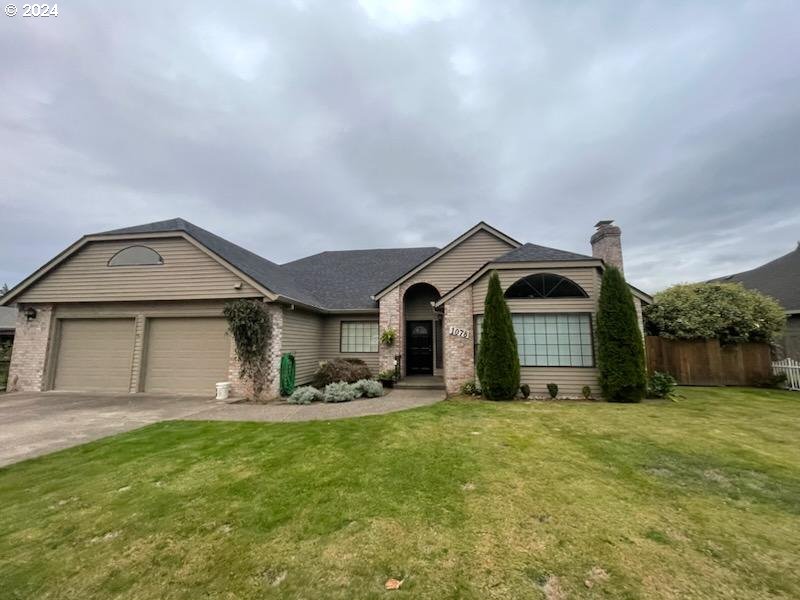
(620, 348)
(498, 360)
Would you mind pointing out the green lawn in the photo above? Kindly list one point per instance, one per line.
(698, 498)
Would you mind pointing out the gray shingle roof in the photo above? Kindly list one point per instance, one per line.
(534, 253)
(779, 278)
(267, 273)
(335, 280)
(347, 279)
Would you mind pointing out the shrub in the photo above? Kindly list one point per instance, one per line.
(586, 391)
(498, 361)
(775, 381)
(305, 395)
(348, 370)
(620, 350)
(552, 389)
(250, 326)
(387, 375)
(661, 385)
(369, 388)
(526, 390)
(470, 388)
(339, 391)
(728, 312)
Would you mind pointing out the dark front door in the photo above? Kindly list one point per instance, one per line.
(419, 348)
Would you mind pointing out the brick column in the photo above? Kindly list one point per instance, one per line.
(390, 307)
(244, 387)
(29, 355)
(459, 356)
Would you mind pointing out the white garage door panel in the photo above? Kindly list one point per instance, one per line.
(186, 355)
(95, 355)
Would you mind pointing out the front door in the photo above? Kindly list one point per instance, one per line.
(419, 348)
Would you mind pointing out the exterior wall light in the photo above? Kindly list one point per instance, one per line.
(30, 313)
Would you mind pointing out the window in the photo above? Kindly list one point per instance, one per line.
(135, 256)
(545, 285)
(552, 339)
(359, 336)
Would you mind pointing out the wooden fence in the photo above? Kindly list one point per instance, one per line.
(706, 362)
(790, 368)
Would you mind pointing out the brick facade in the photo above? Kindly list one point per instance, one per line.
(390, 317)
(459, 354)
(244, 388)
(29, 355)
(607, 245)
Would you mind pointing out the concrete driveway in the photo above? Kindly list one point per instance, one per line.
(32, 424)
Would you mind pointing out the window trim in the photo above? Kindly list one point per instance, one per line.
(341, 336)
(591, 337)
(563, 277)
(160, 262)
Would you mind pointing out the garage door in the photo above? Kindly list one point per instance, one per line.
(95, 355)
(186, 355)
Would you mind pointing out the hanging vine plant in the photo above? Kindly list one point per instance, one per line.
(250, 326)
(388, 336)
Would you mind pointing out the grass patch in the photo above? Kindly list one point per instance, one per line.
(465, 499)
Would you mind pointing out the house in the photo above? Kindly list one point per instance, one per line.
(8, 322)
(779, 278)
(140, 309)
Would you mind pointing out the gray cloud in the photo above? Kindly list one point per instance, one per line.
(296, 127)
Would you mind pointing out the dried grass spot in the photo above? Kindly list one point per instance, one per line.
(552, 589)
(596, 575)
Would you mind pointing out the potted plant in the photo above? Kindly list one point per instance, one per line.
(386, 378)
(388, 336)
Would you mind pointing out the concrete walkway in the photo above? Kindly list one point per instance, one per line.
(394, 401)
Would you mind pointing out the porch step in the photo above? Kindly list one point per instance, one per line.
(420, 382)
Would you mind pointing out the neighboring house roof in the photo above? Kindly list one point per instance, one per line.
(536, 253)
(8, 318)
(779, 278)
(347, 279)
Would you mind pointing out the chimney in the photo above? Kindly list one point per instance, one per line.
(607, 243)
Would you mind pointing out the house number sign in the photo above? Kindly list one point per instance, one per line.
(464, 333)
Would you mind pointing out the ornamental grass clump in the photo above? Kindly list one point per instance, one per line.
(498, 360)
(341, 391)
(305, 395)
(368, 388)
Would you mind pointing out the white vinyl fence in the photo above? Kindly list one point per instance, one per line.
(790, 368)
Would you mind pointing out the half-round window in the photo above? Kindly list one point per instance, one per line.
(135, 256)
(545, 285)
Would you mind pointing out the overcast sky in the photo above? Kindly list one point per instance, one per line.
(296, 127)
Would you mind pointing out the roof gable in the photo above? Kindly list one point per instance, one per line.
(480, 227)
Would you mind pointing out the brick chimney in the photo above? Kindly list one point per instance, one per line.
(607, 243)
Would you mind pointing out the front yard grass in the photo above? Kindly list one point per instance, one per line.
(465, 499)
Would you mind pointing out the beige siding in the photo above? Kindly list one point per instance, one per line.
(462, 261)
(586, 277)
(302, 336)
(418, 309)
(331, 338)
(570, 380)
(187, 273)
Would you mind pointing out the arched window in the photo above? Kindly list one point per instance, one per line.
(545, 285)
(135, 256)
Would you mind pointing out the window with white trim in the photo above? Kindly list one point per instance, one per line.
(359, 336)
(551, 339)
